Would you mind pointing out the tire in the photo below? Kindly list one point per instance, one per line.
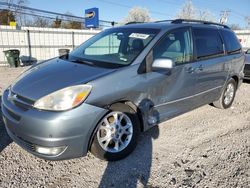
(108, 139)
(227, 96)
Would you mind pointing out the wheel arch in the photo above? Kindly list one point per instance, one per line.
(119, 103)
(236, 79)
(133, 107)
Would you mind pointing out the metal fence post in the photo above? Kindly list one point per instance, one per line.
(29, 44)
(73, 40)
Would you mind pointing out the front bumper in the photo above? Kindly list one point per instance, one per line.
(70, 129)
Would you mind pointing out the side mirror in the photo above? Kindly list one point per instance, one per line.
(162, 64)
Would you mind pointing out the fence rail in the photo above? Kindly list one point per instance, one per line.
(37, 44)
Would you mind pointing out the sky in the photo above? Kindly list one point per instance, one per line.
(117, 10)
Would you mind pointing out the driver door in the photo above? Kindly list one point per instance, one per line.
(174, 92)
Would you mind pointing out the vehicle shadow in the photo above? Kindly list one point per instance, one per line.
(246, 81)
(136, 168)
(5, 140)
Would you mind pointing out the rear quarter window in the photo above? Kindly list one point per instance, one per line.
(231, 41)
(208, 43)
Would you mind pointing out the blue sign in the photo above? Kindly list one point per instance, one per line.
(92, 18)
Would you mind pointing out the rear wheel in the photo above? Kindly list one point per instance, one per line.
(117, 134)
(227, 96)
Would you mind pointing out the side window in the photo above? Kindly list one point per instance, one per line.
(176, 45)
(231, 41)
(208, 43)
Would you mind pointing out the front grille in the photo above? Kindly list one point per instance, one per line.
(13, 115)
(27, 145)
(26, 100)
(20, 101)
(20, 105)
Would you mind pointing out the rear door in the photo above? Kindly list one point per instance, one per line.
(212, 64)
(233, 52)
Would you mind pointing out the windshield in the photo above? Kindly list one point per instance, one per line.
(115, 47)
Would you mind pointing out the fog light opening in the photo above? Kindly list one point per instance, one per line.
(51, 151)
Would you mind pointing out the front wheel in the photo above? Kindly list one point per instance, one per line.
(227, 96)
(116, 135)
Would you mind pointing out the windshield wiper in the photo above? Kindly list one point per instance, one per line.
(83, 62)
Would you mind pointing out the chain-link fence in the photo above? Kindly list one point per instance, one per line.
(39, 34)
(36, 44)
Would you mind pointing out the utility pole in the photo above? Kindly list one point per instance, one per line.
(247, 18)
(224, 15)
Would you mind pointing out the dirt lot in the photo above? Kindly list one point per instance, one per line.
(207, 147)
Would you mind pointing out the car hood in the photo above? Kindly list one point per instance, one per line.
(54, 75)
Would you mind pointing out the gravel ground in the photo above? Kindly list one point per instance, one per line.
(207, 147)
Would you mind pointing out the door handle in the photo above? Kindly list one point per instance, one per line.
(200, 68)
(190, 70)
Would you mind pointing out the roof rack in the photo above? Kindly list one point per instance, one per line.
(164, 21)
(134, 23)
(178, 21)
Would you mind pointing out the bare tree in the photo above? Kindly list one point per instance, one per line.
(138, 14)
(235, 27)
(188, 11)
(206, 15)
(40, 22)
(71, 23)
(6, 16)
(57, 23)
(247, 18)
(16, 7)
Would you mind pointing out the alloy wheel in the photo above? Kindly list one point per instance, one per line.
(115, 132)
(229, 94)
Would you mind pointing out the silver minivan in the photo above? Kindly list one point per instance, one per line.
(119, 83)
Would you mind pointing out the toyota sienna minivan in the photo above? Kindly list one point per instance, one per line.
(119, 83)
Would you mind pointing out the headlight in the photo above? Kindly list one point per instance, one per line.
(64, 99)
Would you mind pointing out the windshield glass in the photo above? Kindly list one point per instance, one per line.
(118, 46)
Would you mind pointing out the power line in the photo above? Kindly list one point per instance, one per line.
(215, 8)
(52, 18)
(38, 10)
(170, 2)
(238, 14)
(127, 6)
(44, 11)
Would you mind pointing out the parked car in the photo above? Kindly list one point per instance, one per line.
(247, 65)
(119, 83)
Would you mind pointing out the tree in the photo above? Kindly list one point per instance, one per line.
(71, 22)
(206, 15)
(6, 16)
(72, 25)
(16, 7)
(138, 14)
(57, 23)
(235, 27)
(247, 18)
(189, 11)
(40, 22)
